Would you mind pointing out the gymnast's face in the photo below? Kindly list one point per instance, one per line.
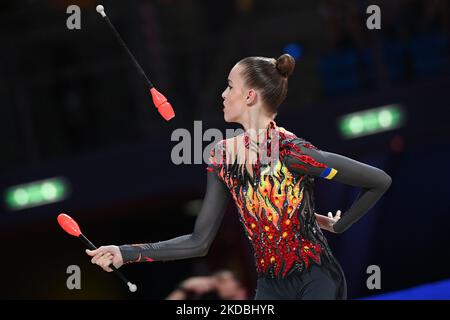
(235, 97)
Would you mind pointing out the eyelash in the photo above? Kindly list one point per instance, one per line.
(230, 87)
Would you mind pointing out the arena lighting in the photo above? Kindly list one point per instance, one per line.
(36, 193)
(371, 121)
(294, 49)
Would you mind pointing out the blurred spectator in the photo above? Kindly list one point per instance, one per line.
(222, 285)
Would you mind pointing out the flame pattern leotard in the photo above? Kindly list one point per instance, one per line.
(275, 201)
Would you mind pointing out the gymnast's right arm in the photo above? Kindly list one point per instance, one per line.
(191, 245)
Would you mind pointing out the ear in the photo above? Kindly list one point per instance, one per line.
(250, 99)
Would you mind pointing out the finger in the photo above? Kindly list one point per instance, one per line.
(330, 214)
(107, 269)
(338, 213)
(104, 262)
(97, 257)
(93, 252)
(99, 250)
(106, 258)
(106, 265)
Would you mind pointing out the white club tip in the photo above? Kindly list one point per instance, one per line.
(132, 287)
(100, 9)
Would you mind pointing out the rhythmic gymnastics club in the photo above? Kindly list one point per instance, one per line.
(71, 227)
(164, 107)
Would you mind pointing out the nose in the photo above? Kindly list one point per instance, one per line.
(224, 94)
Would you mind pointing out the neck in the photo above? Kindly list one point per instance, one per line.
(256, 129)
(257, 122)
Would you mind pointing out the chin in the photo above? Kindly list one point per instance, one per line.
(227, 119)
(231, 119)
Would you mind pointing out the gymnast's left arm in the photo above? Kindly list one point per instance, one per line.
(306, 159)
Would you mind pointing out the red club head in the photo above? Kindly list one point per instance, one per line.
(164, 107)
(166, 111)
(69, 225)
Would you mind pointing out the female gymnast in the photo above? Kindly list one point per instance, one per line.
(274, 197)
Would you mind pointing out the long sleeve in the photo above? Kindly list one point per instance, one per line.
(191, 245)
(305, 159)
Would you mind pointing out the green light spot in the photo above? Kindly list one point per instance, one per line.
(36, 193)
(385, 118)
(356, 124)
(21, 197)
(371, 121)
(49, 191)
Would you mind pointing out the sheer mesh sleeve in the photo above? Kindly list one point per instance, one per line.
(191, 245)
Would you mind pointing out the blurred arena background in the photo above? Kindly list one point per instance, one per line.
(80, 135)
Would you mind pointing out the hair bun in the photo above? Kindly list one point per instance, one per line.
(285, 65)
